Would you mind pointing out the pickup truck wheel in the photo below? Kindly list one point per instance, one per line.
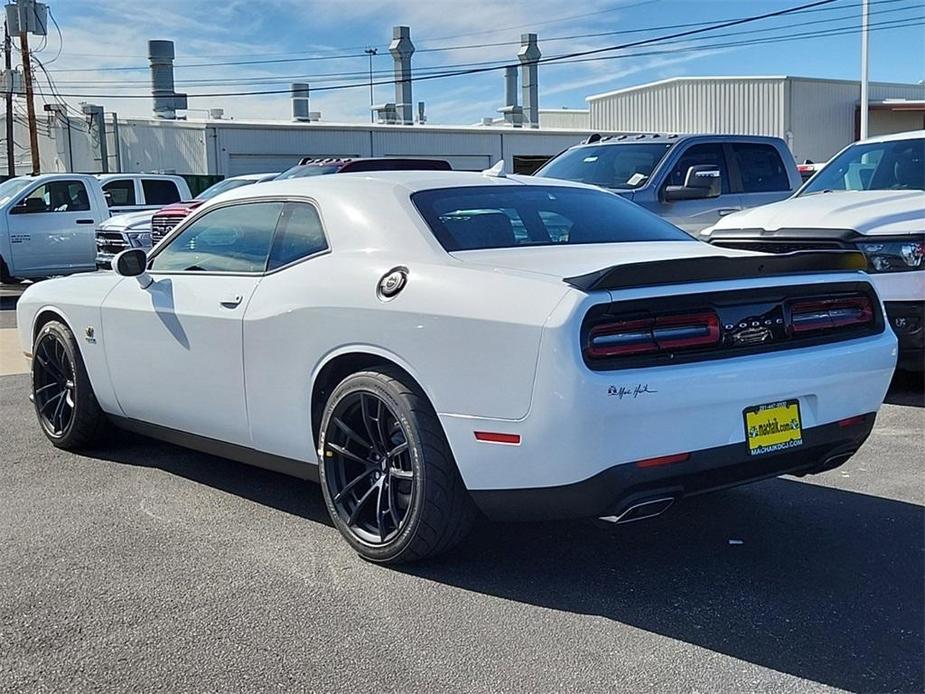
(387, 474)
(5, 274)
(64, 401)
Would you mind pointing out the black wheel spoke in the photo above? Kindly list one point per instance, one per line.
(369, 422)
(398, 450)
(351, 434)
(401, 474)
(361, 503)
(54, 398)
(393, 512)
(353, 483)
(347, 453)
(379, 510)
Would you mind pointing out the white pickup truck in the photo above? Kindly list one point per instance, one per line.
(48, 225)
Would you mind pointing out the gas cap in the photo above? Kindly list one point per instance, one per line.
(392, 283)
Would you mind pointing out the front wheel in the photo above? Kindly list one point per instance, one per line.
(388, 477)
(64, 401)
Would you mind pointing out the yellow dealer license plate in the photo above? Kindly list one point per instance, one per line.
(773, 427)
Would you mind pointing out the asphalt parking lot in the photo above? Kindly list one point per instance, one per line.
(145, 567)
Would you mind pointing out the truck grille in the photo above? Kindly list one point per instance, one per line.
(110, 242)
(163, 225)
(782, 246)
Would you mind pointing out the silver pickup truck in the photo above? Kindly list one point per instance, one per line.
(690, 180)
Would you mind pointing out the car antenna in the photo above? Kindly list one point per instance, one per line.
(496, 171)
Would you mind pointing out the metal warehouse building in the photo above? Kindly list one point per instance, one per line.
(816, 117)
(225, 147)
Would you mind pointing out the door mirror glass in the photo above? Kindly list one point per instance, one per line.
(30, 206)
(130, 263)
(701, 181)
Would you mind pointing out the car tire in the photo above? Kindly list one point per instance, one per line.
(65, 404)
(390, 507)
(5, 274)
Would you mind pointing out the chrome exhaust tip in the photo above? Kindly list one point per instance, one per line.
(650, 508)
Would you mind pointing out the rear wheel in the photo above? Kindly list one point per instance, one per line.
(388, 477)
(65, 405)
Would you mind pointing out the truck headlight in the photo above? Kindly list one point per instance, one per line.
(139, 239)
(894, 255)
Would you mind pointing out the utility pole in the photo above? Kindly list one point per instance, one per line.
(865, 60)
(30, 106)
(8, 97)
(371, 52)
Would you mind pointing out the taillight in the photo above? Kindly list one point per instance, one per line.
(650, 335)
(827, 314)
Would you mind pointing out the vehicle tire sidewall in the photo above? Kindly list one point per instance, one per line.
(382, 387)
(67, 339)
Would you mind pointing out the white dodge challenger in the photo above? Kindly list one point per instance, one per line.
(430, 344)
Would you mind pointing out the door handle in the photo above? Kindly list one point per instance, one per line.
(85, 221)
(728, 210)
(232, 302)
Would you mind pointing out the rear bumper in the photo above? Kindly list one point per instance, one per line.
(907, 318)
(613, 491)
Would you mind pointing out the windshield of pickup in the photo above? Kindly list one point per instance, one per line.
(465, 219)
(621, 166)
(893, 165)
(11, 187)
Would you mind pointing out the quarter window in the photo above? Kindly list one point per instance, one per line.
(59, 196)
(298, 235)
(120, 192)
(695, 156)
(159, 191)
(236, 238)
(761, 168)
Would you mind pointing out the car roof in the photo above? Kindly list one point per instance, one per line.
(670, 138)
(908, 135)
(409, 181)
(110, 176)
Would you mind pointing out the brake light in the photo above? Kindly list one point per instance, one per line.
(827, 314)
(663, 460)
(649, 335)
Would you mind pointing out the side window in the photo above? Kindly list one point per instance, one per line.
(121, 192)
(235, 238)
(59, 196)
(700, 154)
(160, 192)
(298, 236)
(761, 168)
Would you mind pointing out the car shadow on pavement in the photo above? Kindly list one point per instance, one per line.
(907, 388)
(817, 582)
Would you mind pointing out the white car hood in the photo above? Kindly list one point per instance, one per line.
(121, 222)
(569, 261)
(874, 212)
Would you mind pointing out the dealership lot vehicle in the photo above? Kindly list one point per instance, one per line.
(690, 180)
(133, 192)
(604, 363)
(47, 223)
(871, 198)
(134, 230)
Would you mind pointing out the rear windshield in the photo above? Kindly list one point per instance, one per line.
(623, 166)
(223, 187)
(466, 219)
(892, 165)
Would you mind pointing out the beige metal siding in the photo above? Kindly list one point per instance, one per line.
(565, 118)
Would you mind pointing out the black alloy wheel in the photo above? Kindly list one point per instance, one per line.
(53, 384)
(389, 479)
(368, 465)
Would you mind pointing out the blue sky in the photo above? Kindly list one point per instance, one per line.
(99, 35)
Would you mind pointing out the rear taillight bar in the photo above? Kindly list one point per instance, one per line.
(651, 335)
(827, 314)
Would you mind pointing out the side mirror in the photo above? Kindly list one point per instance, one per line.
(702, 181)
(29, 206)
(133, 262)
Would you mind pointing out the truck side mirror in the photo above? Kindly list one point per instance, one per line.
(133, 262)
(29, 206)
(702, 181)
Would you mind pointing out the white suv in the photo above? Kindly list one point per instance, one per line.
(869, 197)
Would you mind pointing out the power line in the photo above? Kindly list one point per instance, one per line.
(332, 76)
(559, 60)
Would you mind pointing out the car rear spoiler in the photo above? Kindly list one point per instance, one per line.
(714, 268)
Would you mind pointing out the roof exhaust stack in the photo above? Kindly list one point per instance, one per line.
(529, 55)
(166, 101)
(402, 49)
(299, 94)
(513, 114)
